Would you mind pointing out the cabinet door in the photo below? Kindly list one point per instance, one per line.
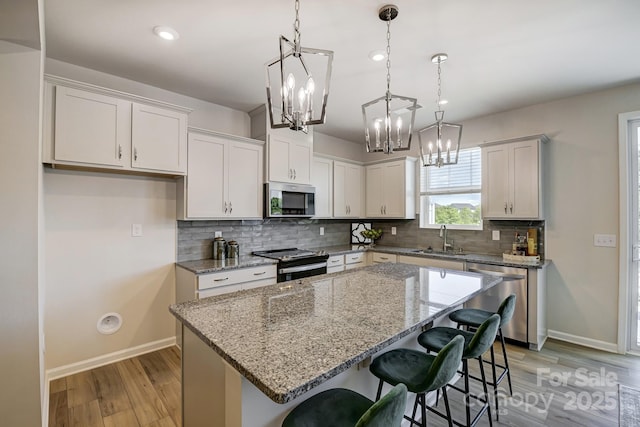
(206, 178)
(374, 198)
(495, 181)
(323, 182)
(393, 190)
(158, 139)
(523, 162)
(279, 169)
(339, 189)
(245, 180)
(300, 160)
(91, 128)
(353, 190)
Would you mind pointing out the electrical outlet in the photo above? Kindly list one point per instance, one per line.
(495, 234)
(393, 231)
(606, 240)
(217, 234)
(322, 231)
(136, 230)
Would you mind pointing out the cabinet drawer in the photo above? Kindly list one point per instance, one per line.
(378, 257)
(354, 258)
(335, 269)
(355, 265)
(335, 261)
(233, 277)
(218, 290)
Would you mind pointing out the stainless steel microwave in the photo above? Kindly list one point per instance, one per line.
(289, 200)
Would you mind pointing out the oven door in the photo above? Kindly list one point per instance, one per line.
(291, 272)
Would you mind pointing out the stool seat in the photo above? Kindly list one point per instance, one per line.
(438, 337)
(340, 407)
(472, 317)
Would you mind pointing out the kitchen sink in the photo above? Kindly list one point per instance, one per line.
(438, 252)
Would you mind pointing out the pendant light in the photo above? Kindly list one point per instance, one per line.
(298, 83)
(388, 120)
(440, 141)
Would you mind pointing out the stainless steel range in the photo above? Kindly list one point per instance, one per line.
(296, 263)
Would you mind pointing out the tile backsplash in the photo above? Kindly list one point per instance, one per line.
(195, 237)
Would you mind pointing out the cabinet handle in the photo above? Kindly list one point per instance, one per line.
(230, 208)
(384, 258)
(221, 280)
(505, 207)
(355, 258)
(290, 174)
(348, 209)
(335, 260)
(225, 207)
(294, 174)
(385, 209)
(119, 151)
(511, 207)
(260, 274)
(135, 154)
(381, 209)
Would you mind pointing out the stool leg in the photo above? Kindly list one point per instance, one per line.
(486, 393)
(495, 382)
(506, 360)
(379, 391)
(424, 409)
(446, 406)
(467, 404)
(415, 409)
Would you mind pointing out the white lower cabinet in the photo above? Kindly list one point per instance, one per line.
(354, 260)
(431, 262)
(224, 178)
(378, 257)
(335, 263)
(190, 286)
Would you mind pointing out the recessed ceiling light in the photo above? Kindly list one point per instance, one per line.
(166, 33)
(377, 55)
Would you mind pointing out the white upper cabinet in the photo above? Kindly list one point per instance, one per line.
(289, 156)
(224, 178)
(390, 189)
(512, 179)
(323, 182)
(348, 190)
(91, 127)
(158, 139)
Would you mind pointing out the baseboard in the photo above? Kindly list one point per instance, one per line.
(587, 342)
(85, 365)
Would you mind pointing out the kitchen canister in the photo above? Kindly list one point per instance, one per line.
(219, 248)
(233, 250)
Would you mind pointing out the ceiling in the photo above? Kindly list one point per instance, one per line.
(503, 54)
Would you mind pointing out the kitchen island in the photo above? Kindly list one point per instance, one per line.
(250, 356)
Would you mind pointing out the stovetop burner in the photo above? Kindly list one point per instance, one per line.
(287, 254)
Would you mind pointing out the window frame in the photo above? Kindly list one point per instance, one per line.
(449, 191)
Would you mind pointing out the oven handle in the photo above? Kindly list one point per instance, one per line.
(300, 268)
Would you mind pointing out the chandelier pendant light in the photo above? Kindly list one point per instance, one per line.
(298, 83)
(440, 141)
(388, 120)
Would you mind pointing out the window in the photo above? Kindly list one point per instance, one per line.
(450, 195)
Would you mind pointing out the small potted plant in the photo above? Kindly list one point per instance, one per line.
(372, 234)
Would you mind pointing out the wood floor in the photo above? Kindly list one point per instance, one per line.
(142, 391)
(562, 385)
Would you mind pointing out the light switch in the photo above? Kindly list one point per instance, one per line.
(322, 231)
(136, 230)
(217, 234)
(393, 231)
(606, 240)
(495, 234)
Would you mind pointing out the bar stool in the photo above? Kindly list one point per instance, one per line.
(476, 344)
(472, 318)
(340, 407)
(421, 373)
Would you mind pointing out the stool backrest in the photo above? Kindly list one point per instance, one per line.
(388, 411)
(483, 338)
(506, 309)
(445, 365)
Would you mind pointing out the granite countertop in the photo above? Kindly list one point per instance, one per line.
(290, 337)
(205, 266)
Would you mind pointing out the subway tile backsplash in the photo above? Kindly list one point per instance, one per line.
(195, 237)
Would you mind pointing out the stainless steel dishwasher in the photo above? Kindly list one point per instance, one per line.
(514, 281)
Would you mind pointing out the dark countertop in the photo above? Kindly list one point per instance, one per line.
(290, 337)
(205, 266)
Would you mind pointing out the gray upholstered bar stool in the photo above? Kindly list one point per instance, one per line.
(472, 318)
(339, 407)
(475, 345)
(421, 373)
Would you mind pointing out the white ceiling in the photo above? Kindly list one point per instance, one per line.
(503, 54)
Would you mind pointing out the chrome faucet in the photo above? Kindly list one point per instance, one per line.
(443, 233)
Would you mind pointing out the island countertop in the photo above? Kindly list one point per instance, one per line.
(290, 337)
